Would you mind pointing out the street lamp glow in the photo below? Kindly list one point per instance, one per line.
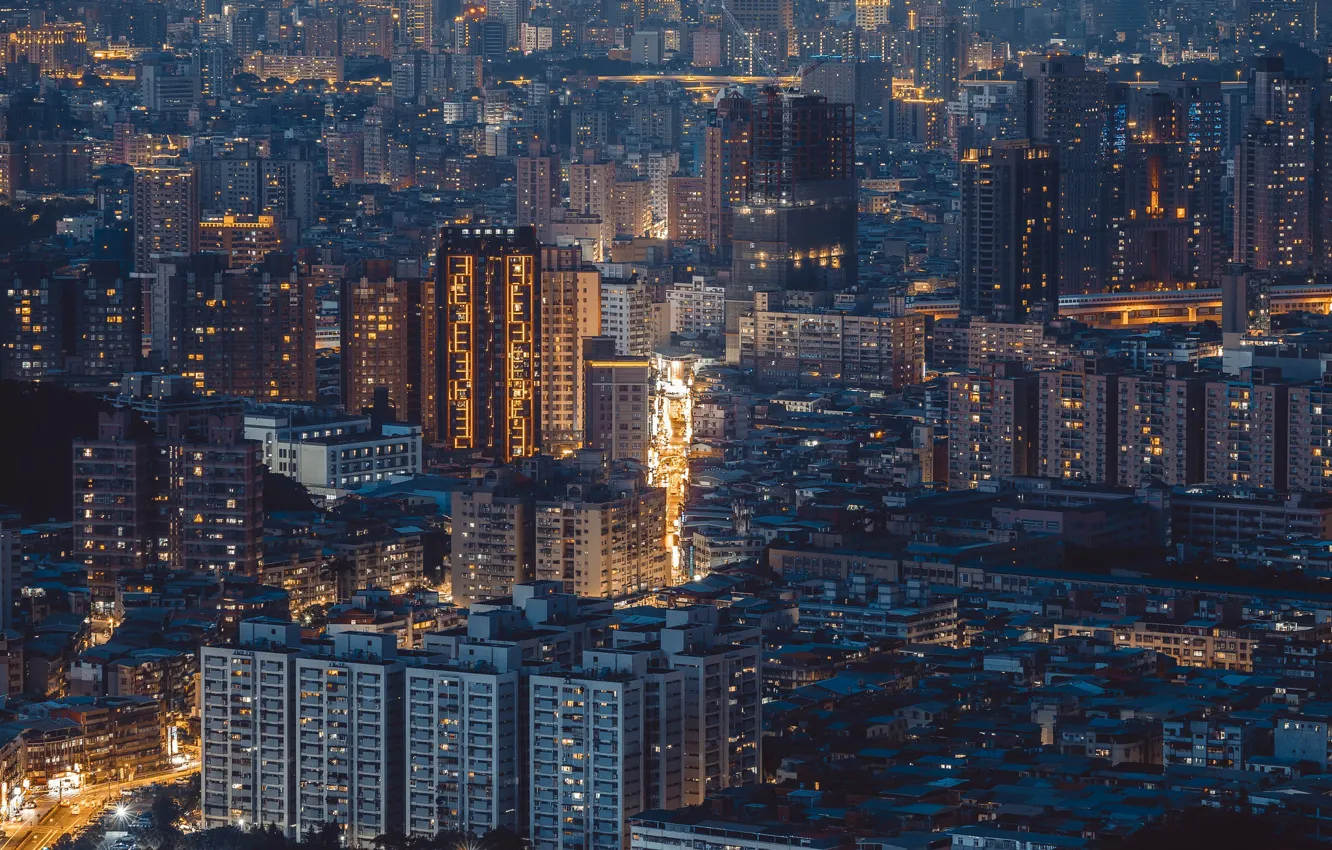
(121, 812)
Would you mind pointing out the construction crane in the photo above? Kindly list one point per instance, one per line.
(755, 57)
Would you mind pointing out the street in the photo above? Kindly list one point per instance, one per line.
(58, 820)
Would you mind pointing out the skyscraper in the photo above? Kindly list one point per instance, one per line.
(1009, 230)
(797, 226)
(1274, 173)
(570, 312)
(726, 164)
(1164, 186)
(166, 213)
(940, 52)
(1323, 175)
(1067, 111)
(484, 346)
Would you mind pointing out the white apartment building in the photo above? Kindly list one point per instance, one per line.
(350, 751)
(463, 758)
(696, 309)
(722, 707)
(604, 744)
(626, 316)
(548, 715)
(331, 458)
(248, 728)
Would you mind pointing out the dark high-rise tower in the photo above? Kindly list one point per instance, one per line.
(479, 365)
(1274, 174)
(1068, 111)
(1164, 185)
(795, 227)
(1009, 194)
(726, 164)
(1322, 218)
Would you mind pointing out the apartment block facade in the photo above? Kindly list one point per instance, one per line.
(547, 715)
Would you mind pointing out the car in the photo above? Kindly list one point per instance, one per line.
(64, 802)
(30, 805)
(75, 809)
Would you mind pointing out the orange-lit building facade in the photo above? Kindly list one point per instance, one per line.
(485, 326)
(244, 239)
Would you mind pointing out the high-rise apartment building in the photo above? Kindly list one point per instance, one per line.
(1077, 416)
(381, 343)
(617, 404)
(1245, 431)
(993, 429)
(1164, 185)
(351, 770)
(1161, 427)
(696, 307)
(251, 333)
(606, 744)
(1274, 171)
(175, 283)
(243, 239)
(113, 516)
(166, 213)
(248, 729)
(626, 310)
(538, 186)
(604, 540)
(1310, 437)
(1068, 112)
(1322, 189)
(493, 536)
(570, 312)
(416, 23)
(263, 763)
(464, 750)
(190, 494)
(687, 209)
(1009, 251)
(545, 715)
(763, 15)
(789, 348)
(33, 322)
(592, 193)
(1271, 25)
(723, 728)
(481, 342)
(940, 51)
(219, 493)
(106, 335)
(727, 141)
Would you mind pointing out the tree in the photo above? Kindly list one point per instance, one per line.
(325, 836)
